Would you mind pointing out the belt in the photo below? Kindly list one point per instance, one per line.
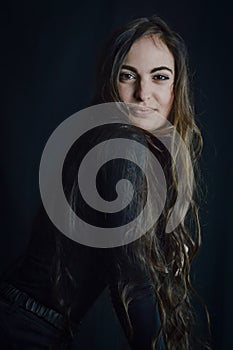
(14, 295)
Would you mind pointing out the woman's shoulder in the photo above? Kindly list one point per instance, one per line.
(119, 130)
(106, 139)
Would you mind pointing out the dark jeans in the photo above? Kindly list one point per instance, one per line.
(22, 330)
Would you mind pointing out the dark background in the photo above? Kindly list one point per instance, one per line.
(48, 59)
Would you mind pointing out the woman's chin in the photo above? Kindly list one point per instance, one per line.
(148, 122)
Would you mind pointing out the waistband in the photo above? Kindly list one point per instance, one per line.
(14, 295)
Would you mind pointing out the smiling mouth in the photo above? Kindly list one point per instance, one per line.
(140, 110)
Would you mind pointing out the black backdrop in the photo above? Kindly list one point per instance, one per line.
(48, 55)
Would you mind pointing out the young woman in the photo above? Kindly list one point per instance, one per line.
(47, 295)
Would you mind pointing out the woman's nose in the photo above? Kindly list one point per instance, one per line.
(143, 91)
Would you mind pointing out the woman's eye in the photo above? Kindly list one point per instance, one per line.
(160, 77)
(126, 76)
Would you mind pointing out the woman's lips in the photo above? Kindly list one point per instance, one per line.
(140, 111)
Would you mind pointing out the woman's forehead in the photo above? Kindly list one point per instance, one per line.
(149, 49)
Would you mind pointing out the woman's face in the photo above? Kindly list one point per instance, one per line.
(145, 82)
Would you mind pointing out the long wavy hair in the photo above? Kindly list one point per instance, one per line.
(169, 263)
(167, 256)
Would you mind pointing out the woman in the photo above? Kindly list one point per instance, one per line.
(49, 293)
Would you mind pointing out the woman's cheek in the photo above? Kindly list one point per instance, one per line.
(125, 93)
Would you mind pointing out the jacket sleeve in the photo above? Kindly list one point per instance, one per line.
(121, 160)
(122, 264)
(143, 310)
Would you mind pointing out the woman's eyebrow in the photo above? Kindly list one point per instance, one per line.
(161, 68)
(132, 69)
(129, 68)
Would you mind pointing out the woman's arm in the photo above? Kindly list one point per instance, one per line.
(124, 270)
(143, 307)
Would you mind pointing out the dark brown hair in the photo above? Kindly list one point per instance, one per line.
(169, 268)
